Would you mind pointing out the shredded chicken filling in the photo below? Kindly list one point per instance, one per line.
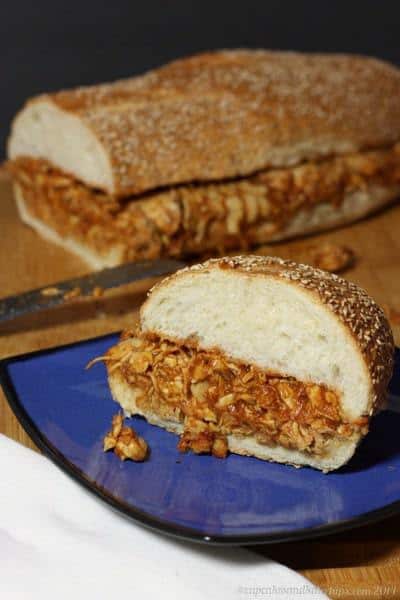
(191, 219)
(214, 397)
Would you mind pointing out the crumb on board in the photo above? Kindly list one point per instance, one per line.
(327, 256)
(72, 294)
(50, 291)
(334, 258)
(97, 292)
(124, 441)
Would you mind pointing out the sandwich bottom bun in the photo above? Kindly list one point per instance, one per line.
(257, 356)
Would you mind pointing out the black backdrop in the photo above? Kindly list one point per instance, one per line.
(50, 44)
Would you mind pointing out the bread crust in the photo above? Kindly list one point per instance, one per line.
(364, 321)
(230, 113)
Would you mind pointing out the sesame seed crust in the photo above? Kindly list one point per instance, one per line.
(358, 312)
(230, 113)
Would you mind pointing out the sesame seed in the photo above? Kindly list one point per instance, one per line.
(230, 113)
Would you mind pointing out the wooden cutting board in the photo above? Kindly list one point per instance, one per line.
(361, 563)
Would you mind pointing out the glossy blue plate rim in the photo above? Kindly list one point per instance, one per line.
(143, 518)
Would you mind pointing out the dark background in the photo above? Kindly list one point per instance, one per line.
(50, 44)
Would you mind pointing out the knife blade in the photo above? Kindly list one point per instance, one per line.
(55, 294)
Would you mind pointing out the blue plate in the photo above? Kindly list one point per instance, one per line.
(67, 411)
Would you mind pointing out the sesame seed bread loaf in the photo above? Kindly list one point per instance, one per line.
(213, 116)
(224, 150)
(302, 326)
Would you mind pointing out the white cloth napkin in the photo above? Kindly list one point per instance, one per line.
(58, 542)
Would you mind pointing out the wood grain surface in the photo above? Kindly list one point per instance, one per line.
(362, 563)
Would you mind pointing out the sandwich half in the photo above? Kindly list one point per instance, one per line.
(218, 151)
(257, 356)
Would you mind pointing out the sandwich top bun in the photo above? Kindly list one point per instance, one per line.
(283, 317)
(212, 116)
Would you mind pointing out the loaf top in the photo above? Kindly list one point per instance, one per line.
(230, 113)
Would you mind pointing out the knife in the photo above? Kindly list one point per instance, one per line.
(92, 284)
